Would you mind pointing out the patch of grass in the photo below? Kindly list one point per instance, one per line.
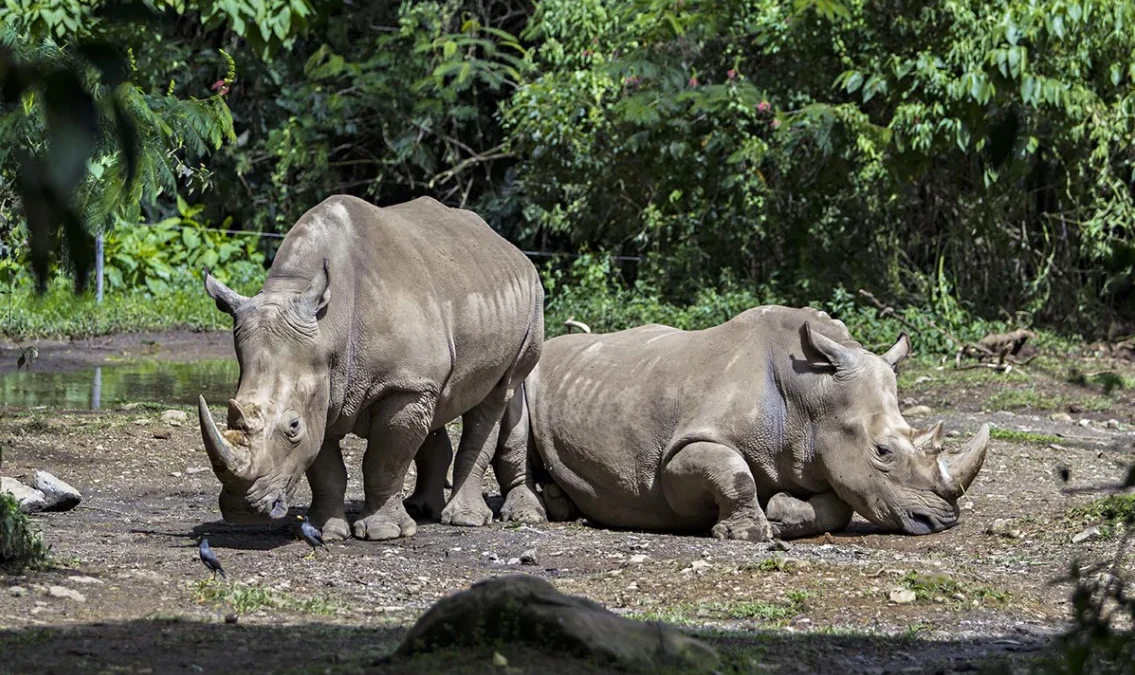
(1108, 381)
(926, 587)
(1018, 436)
(1113, 510)
(244, 599)
(771, 611)
(1031, 397)
(21, 543)
(774, 564)
(679, 615)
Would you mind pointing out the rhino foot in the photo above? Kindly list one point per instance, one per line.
(523, 506)
(335, 529)
(381, 526)
(473, 513)
(425, 506)
(743, 529)
(557, 504)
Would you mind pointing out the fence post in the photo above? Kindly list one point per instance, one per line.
(98, 268)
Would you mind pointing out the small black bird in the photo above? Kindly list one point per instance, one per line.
(210, 559)
(311, 535)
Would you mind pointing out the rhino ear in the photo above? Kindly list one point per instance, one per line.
(834, 353)
(929, 439)
(226, 298)
(900, 351)
(318, 293)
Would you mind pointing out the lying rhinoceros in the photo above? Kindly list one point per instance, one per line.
(386, 323)
(775, 423)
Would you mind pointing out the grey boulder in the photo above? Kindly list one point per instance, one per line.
(30, 499)
(522, 609)
(60, 496)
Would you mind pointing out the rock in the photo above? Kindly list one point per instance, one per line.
(163, 433)
(1088, 534)
(87, 581)
(917, 411)
(65, 593)
(1085, 422)
(30, 499)
(528, 557)
(231, 618)
(60, 496)
(17, 591)
(902, 596)
(999, 527)
(499, 660)
(637, 559)
(175, 474)
(780, 545)
(1060, 417)
(1112, 424)
(195, 469)
(174, 418)
(513, 561)
(524, 609)
(923, 378)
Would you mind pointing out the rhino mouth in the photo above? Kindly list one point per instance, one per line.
(925, 522)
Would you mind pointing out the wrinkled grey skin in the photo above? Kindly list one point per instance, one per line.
(775, 423)
(386, 323)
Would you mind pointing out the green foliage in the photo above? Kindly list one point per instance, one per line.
(242, 598)
(1018, 436)
(21, 544)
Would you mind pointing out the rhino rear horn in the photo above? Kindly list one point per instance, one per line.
(228, 300)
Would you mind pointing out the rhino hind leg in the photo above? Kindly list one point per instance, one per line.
(513, 469)
(792, 518)
(399, 427)
(557, 504)
(480, 429)
(327, 477)
(432, 464)
(703, 476)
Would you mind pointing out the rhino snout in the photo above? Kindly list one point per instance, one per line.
(926, 521)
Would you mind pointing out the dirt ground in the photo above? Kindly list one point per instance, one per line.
(985, 592)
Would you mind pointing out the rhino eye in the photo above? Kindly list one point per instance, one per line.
(293, 427)
(883, 452)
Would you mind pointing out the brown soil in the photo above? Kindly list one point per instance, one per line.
(822, 606)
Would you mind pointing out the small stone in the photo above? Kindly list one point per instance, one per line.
(1088, 534)
(88, 581)
(163, 433)
(953, 433)
(513, 561)
(1085, 422)
(1060, 417)
(923, 378)
(174, 418)
(231, 618)
(699, 564)
(528, 557)
(1112, 424)
(65, 593)
(31, 500)
(17, 591)
(902, 596)
(998, 527)
(780, 545)
(637, 559)
(195, 470)
(60, 496)
(499, 660)
(917, 411)
(175, 474)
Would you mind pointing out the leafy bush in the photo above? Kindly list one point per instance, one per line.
(21, 545)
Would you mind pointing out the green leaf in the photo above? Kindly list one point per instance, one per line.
(853, 81)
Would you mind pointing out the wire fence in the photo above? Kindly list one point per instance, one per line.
(276, 235)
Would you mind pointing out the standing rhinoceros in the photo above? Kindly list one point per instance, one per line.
(386, 323)
(775, 423)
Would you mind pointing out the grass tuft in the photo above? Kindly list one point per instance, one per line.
(21, 544)
(245, 599)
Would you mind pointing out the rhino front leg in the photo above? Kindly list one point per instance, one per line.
(703, 475)
(432, 464)
(793, 518)
(511, 466)
(327, 477)
(399, 427)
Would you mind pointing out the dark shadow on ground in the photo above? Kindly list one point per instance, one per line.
(189, 646)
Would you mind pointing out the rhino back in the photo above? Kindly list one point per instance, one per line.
(420, 293)
(607, 410)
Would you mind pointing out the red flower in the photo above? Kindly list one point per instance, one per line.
(763, 106)
(632, 80)
(693, 82)
(731, 74)
(220, 87)
(775, 123)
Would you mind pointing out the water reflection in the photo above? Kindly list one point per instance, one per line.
(111, 385)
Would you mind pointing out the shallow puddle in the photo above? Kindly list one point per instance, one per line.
(111, 385)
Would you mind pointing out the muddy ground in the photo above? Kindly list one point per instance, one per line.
(986, 592)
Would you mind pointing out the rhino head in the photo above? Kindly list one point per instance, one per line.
(895, 476)
(276, 420)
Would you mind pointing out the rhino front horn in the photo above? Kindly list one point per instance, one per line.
(961, 467)
(221, 453)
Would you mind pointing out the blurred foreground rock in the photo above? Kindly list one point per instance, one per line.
(30, 499)
(521, 609)
(46, 493)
